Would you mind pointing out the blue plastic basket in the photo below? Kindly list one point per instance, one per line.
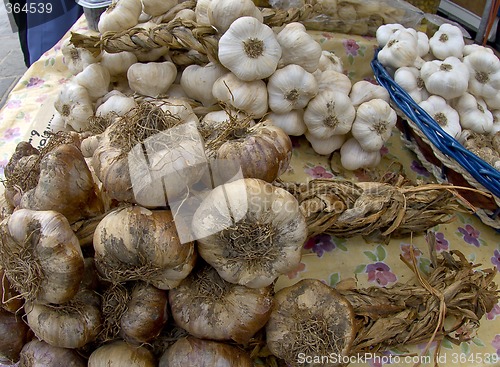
(480, 171)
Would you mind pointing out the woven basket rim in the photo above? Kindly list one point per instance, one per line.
(447, 149)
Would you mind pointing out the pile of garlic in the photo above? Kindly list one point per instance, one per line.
(280, 75)
(456, 84)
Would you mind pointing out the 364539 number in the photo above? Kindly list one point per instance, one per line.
(31, 8)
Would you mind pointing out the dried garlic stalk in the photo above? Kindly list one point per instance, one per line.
(377, 210)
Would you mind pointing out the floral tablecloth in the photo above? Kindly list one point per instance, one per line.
(330, 259)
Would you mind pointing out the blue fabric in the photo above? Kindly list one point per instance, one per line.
(45, 29)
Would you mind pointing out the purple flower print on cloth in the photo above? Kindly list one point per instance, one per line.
(319, 172)
(34, 81)
(471, 235)
(12, 133)
(405, 250)
(3, 163)
(351, 47)
(419, 169)
(380, 273)
(13, 104)
(496, 343)
(320, 244)
(442, 243)
(495, 259)
(494, 312)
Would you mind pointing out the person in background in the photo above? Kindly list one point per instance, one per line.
(42, 23)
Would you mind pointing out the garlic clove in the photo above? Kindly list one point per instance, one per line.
(326, 146)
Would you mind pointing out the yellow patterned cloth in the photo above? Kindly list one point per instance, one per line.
(327, 258)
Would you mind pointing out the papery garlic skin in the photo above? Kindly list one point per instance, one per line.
(445, 115)
(117, 104)
(330, 61)
(291, 88)
(250, 97)
(249, 49)
(298, 47)
(250, 205)
(39, 353)
(158, 7)
(329, 113)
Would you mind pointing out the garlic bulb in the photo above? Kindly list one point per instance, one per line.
(373, 124)
(65, 184)
(41, 256)
(311, 319)
(118, 63)
(191, 351)
(197, 82)
(76, 58)
(134, 243)
(120, 15)
(364, 91)
(222, 13)
(334, 81)
(326, 146)
(209, 307)
(298, 47)
(353, 157)
(216, 122)
(329, 113)
(201, 11)
(263, 151)
(447, 41)
(250, 231)
(291, 88)
(409, 79)
(75, 106)
(474, 114)
(95, 78)
(70, 325)
(57, 124)
(446, 116)
(14, 333)
(385, 32)
(152, 78)
(117, 104)
(37, 353)
(250, 97)
(448, 78)
(330, 61)
(146, 314)
(400, 50)
(249, 49)
(473, 47)
(291, 122)
(119, 354)
(484, 74)
(158, 7)
(422, 44)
